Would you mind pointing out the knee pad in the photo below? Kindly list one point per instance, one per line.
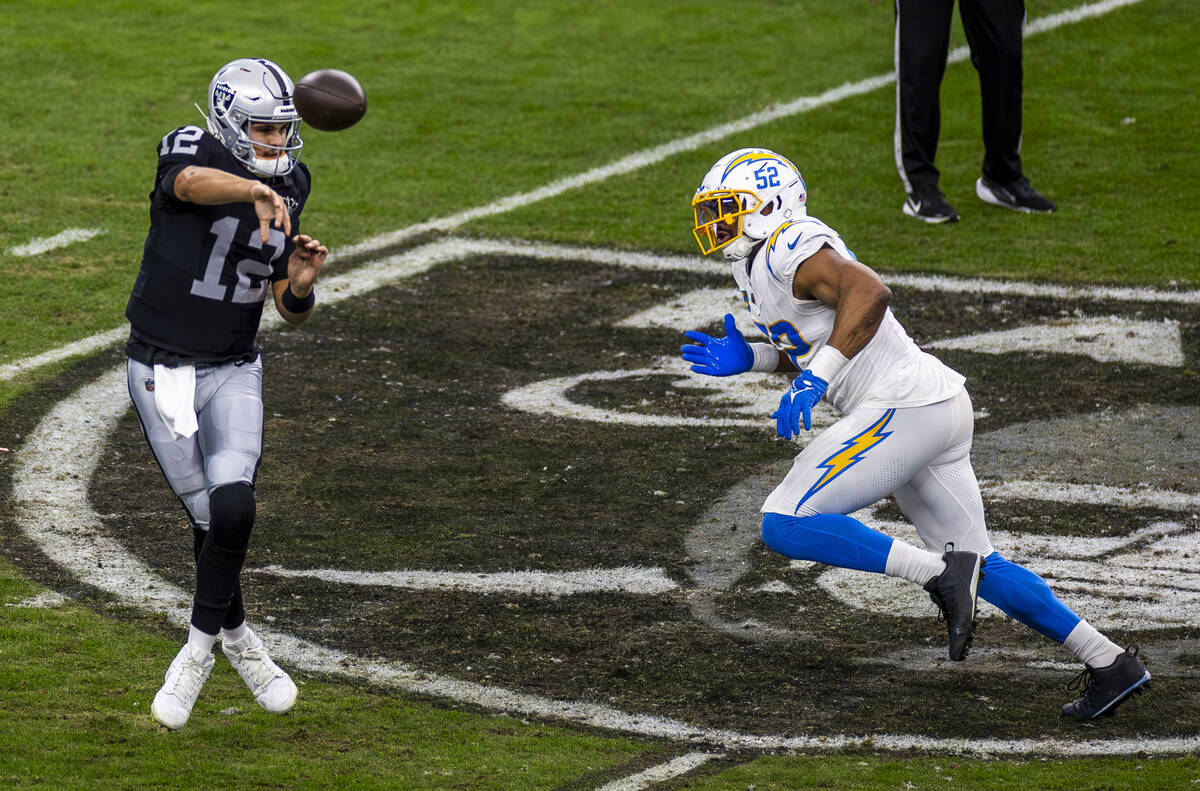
(196, 505)
(231, 515)
(832, 539)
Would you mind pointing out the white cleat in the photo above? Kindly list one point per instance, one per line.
(273, 689)
(173, 703)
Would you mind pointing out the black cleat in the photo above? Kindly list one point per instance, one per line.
(930, 206)
(1018, 196)
(956, 592)
(1105, 688)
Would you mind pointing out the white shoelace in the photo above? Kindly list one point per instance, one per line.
(189, 680)
(258, 665)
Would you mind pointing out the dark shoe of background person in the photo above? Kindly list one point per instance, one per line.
(1018, 196)
(930, 206)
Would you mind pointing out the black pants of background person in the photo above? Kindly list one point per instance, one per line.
(994, 36)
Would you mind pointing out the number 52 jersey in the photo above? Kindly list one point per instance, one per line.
(890, 371)
(205, 271)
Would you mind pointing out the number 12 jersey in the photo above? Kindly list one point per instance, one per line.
(205, 270)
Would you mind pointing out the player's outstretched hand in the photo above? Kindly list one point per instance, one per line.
(270, 210)
(797, 403)
(305, 263)
(718, 356)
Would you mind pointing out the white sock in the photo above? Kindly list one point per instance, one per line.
(915, 565)
(1090, 646)
(200, 642)
(235, 634)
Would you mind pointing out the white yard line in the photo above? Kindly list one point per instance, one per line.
(47, 243)
(626, 579)
(94, 343)
(44, 600)
(1071, 16)
(1018, 288)
(676, 767)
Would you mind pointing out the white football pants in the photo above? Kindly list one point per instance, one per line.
(921, 455)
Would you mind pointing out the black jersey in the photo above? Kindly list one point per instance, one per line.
(205, 272)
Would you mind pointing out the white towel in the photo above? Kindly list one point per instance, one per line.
(175, 397)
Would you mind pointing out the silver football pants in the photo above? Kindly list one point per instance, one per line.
(228, 442)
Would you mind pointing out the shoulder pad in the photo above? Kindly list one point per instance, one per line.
(779, 250)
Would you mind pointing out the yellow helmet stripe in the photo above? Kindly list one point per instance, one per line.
(755, 156)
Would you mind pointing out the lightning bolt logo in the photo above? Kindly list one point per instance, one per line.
(774, 236)
(771, 246)
(852, 452)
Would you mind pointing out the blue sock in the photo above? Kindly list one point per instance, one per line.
(1025, 596)
(832, 539)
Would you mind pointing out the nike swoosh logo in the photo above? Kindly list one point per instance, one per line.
(792, 246)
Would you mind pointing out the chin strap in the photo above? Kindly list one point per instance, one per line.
(280, 166)
(739, 249)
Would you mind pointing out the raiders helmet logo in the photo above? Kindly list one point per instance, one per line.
(222, 97)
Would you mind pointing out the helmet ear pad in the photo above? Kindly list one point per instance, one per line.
(781, 206)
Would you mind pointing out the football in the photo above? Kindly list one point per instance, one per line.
(330, 100)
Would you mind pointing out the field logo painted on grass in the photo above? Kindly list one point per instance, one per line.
(52, 471)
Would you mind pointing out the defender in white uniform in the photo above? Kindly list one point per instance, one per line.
(906, 425)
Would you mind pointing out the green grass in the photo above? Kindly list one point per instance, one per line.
(471, 102)
(75, 716)
(1119, 182)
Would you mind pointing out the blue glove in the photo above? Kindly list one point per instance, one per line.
(719, 356)
(797, 402)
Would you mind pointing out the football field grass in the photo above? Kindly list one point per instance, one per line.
(473, 108)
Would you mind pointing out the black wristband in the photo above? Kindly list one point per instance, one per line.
(294, 304)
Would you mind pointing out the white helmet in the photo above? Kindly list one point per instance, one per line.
(745, 197)
(254, 89)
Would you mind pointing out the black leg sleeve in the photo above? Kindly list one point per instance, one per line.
(221, 556)
(994, 31)
(237, 611)
(921, 45)
(236, 614)
(217, 573)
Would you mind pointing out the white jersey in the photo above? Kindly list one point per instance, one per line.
(890, 371)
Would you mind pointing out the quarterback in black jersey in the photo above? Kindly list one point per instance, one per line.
(218, 239)
(224, 230)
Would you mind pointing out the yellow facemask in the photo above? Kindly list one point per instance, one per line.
(718, 216)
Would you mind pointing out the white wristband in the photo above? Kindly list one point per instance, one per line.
(766, 357)
(826, 363)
